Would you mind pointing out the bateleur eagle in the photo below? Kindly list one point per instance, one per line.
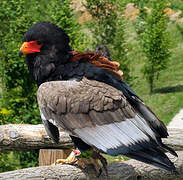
(84, 95)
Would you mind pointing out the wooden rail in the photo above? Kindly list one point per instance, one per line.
(128, 170)
(30, 137)
(26, 137)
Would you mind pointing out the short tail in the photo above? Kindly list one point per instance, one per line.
(154, 157)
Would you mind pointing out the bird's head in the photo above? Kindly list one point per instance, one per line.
(46, 46)
(44, 38)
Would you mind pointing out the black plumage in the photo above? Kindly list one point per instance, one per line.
(92, 103)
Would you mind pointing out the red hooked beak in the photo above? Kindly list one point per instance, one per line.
(30, 47)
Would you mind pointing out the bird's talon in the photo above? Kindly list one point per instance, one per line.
(99, 173)
(71, 159)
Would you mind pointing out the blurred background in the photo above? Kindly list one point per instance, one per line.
(145, 36)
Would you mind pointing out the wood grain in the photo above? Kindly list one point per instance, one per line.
(24, 137)
(49, 156)
(128, 170)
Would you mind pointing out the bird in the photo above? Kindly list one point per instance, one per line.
(84, 94)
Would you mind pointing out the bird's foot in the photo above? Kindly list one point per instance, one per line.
(96, 155)
(85, 162)
(82, 160)
(85, 159)
(71, 159)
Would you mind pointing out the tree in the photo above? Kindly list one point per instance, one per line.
(155, 41)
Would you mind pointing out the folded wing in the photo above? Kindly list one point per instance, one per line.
(103, 118)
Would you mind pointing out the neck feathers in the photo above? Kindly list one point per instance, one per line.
(97, 59)
(42, 66)
(53, 67)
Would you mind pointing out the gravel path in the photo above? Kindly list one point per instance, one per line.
(177, 121)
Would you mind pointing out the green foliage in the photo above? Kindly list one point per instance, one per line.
(120, 49)
(9, 161)
(180, 28)
(176, 5)
(61, 14)
(104, 16)
(17, 85)
(18, 96)
(15, 160)
(155, 41)
(108, 28)
(166, 100)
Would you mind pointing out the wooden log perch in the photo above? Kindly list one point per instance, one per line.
(175, 139)
(30, 137)
(128, 170)
(26, 137)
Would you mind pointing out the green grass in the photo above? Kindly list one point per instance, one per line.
(167, 99)
(115, 159)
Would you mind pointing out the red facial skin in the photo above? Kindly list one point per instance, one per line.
(30, 47)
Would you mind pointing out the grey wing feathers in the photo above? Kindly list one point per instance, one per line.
(75, 100)
(97, 113)
(152, 119)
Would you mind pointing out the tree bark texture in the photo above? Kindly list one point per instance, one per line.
(30, 137)
(128, 170)
(26, 137)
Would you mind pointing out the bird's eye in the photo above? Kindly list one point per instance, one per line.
(39, 42)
